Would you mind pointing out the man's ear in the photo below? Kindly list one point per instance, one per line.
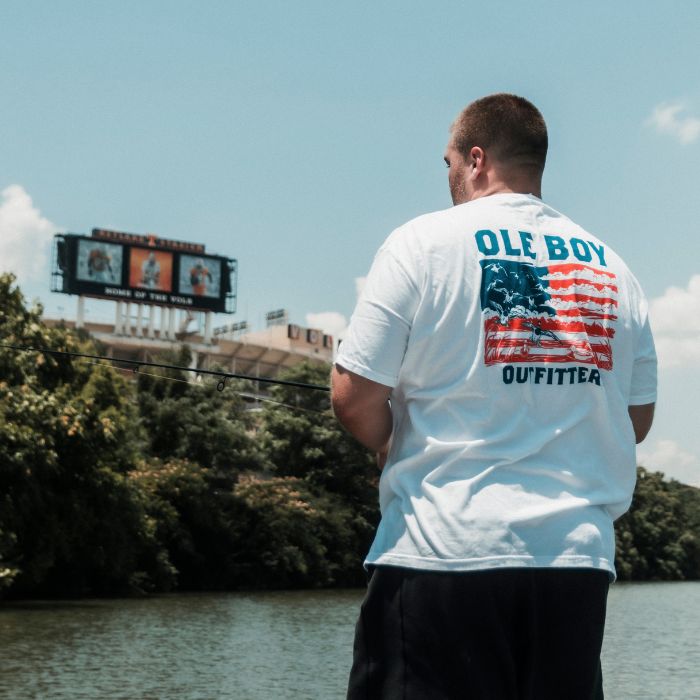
(477, 162)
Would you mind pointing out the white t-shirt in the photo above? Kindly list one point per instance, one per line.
(514, 342)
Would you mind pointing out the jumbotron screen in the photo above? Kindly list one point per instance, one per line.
(143, 269)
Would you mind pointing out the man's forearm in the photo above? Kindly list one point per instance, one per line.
(372, 425)
(362, 407)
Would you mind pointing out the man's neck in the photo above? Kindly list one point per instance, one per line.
(511, 185)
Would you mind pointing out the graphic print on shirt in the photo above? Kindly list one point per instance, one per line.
(560, 313)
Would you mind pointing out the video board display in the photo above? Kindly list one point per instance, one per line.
(200, 276)
(99, 262)
(143, 269)
(150, 269)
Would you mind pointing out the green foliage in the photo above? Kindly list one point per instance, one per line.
(113, 483)
(659, 537)
(7, 573)
(196, 520)
(298, 536)
(69, 520)
(182, 420)
(309, 443)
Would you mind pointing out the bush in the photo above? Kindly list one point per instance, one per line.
(299, 537)
(659, 537)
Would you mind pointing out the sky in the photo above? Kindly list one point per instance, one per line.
(295, 137)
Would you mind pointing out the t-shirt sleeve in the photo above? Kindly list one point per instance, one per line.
(376, 340)
(643, 388)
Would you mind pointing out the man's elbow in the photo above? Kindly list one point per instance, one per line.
(640, 434)
(342, 402)
(346, 410)
(642, 418)
(340, 406)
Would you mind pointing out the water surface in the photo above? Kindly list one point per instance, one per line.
(263, 646)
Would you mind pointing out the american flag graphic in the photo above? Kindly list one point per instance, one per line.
(559, 313)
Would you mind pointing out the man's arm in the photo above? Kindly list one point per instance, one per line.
(362, 407)
(642, 417)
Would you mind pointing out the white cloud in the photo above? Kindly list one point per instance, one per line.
(330, 322)
(25, 236)
(333, 322)
(674, 462)
(667, 119)
(675, 320)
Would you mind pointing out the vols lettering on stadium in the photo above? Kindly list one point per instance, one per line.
(563, 312)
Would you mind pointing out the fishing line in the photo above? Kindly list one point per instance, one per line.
(256, 397)
(143, 363)
(100, 361)
(242, 394)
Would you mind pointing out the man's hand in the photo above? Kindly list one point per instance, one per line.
(362, 407)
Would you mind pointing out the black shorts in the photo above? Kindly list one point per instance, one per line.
(499, 634)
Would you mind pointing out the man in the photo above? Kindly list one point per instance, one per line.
(99, 265)
(500, 363)
(150, 272)
(198, 278)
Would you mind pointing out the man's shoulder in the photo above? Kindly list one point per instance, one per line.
(427, 219)
(479, 209)
(426, 228)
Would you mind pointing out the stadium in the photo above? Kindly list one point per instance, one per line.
(166, 294)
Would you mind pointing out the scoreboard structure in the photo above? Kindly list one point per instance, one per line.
(143, 269)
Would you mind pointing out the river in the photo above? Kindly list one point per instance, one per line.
(289, 645)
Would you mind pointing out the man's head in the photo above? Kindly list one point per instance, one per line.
(497, 144)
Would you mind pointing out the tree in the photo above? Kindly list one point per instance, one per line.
(303, 442)
(196, 422)
(659, 538)
(197, 522)
(298, 536)
(69, 519)
(302, 438)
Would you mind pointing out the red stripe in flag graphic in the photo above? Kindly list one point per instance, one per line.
(560, 313)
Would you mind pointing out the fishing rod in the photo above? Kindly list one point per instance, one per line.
(242, 394)
(143, 363)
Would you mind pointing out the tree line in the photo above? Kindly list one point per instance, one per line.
(115, 483)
